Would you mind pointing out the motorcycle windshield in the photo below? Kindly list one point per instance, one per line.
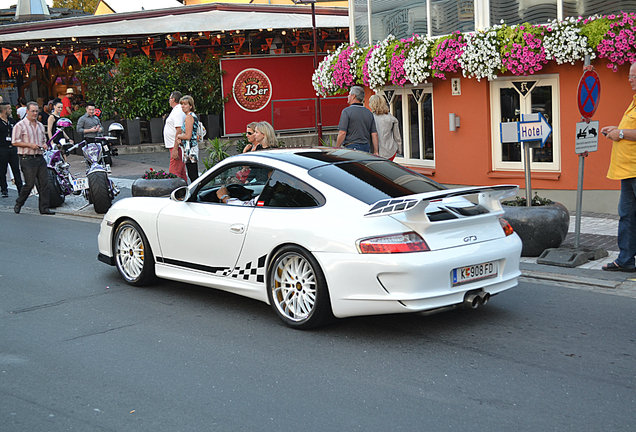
(92, 152)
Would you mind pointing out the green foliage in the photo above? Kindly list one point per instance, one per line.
(98, 82)
(75, 115)
(328, 142)
(595, 31)
(88, 6)
(521, 201)
(138, 87)
(218, 152)
(241, 143)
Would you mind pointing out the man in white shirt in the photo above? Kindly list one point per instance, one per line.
(171, 129)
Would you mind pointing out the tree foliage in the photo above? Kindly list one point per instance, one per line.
(88, 6)
(138, 87)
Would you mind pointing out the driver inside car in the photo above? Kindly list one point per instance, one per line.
(225, 198)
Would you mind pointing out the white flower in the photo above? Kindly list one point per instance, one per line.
(564, 43)
(481, 58)
(416, 66)
(377, 64)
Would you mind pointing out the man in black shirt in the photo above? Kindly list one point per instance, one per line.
(8, 153)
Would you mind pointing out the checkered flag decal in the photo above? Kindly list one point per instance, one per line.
(251, 272)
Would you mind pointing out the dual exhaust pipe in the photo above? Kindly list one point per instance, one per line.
(475, 299)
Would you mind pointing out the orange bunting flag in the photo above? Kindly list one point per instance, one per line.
(111, 52)
(151, 41)
(9, 70)
(5, 53)
(324, 34)
(306, 48)
(269, 42)
(146, 50)
(78, 56)
(207, 34)
(241, 41)
(168, 43)
(158, 55)
(42, 58)
(264, 47)
(278, 51)
(295, 42)
(237, 48)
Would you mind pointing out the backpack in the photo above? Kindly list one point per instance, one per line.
(201, 132)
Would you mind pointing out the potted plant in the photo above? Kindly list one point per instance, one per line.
(542, 225)
(217, 152)
(156, 183)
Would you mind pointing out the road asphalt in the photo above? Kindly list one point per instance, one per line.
(598, 231)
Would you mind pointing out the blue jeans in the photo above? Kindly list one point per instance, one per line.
(627, 223)
(358, 146)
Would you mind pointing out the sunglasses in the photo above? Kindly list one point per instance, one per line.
(250, 133)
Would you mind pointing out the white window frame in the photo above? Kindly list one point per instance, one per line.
(406, 121)
(506, 82)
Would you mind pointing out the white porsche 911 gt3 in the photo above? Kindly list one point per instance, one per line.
(320, 233)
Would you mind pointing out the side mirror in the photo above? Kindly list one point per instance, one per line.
(180, 194)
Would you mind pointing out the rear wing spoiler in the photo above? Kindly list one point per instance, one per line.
(489, 197)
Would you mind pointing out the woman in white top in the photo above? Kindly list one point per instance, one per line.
(389, 139)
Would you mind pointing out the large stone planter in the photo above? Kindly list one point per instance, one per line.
(156, 187)
(540, 227)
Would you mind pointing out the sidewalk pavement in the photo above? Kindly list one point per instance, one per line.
(597, 230)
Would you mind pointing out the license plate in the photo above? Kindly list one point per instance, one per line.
(105, 147)
(475, 272)
(80, 183)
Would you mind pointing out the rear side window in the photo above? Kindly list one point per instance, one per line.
(284, 190)
(373, 180)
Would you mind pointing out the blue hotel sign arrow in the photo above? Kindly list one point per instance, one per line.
(533, 127)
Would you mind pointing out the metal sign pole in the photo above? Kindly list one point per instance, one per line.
(526, 167)
(579, 202)
(579, 187)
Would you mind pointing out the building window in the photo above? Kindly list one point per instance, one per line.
(413, 108)
(510, 99)
(519, 11)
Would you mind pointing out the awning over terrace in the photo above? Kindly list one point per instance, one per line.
(200, 18)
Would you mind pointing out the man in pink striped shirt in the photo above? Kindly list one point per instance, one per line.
(29, 137)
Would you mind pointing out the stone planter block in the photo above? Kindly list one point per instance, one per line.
(540, 227)
(156, 187)
(156, 130)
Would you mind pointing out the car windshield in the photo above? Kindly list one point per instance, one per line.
(374, 180)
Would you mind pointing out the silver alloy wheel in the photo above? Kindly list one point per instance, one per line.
(294, 287)
(130, 252)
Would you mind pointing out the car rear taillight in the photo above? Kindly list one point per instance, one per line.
(507, 228)
(394, 243)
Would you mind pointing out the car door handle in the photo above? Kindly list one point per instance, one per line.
(237, 228)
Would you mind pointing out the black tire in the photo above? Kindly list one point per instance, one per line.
(108, 160)
(133, 256)
(99, 187)
(56, 196)
(297, 290)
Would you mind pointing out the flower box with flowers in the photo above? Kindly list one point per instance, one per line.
(520, 50)
(156, 183)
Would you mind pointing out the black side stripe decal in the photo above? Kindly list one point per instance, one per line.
(218, 271)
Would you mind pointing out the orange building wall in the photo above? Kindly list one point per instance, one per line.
(465, 156)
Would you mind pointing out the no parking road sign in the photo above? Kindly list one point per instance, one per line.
(589, 93)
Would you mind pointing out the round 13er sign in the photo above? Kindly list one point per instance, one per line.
(252, 89)
(589, 93)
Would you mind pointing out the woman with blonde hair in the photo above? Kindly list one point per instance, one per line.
(187, 139)
(250, 133)
(389, 139)
(265, 136)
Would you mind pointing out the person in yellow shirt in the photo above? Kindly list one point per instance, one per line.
(623, 167)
